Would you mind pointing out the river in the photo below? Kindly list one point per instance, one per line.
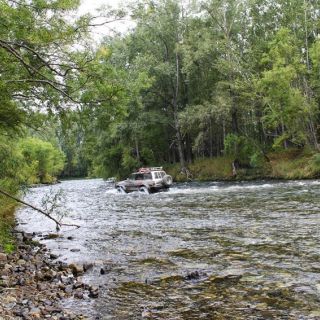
(215, 250)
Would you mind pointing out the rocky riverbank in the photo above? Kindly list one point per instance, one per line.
(33, 284)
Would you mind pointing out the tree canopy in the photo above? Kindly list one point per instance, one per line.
(195, 80)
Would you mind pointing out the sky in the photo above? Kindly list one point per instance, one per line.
(90, 6)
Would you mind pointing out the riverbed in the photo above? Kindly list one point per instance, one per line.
(215, 250)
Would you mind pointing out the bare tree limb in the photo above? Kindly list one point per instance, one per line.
(58, 224)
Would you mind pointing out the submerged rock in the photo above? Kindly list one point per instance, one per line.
(51, 236)
(93, 292)
(193, 275)
(87, 266)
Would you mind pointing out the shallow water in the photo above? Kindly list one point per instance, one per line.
(198, 251)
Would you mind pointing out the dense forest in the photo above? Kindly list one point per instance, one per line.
(190, 81)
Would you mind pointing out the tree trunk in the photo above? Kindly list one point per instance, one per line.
(210, 139)
(313, 135)
(306, 35)
(179, 139)
(137, 148)
(234, 115)
(285, 143)
(189, 149)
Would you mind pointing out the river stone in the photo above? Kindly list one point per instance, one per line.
(21, 281)
(63, 266)
(19, 236)
(68, 289)
(53, 256)
(93, 292)
(51, 310)
(27, 236)
(77, 269)
(39, 276)
(3, 257)
(78, 285)
(78, 294)
(9, 300)
(18, 313)
(193, 275)
(4, 272)
(60, 295)
(47, 302)
(41, 286)
(24, 302)
(21, 262)
(65, 280)
(35, 313)
(51, 236)
(50, 274)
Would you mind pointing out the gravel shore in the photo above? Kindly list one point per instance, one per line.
(33, 284)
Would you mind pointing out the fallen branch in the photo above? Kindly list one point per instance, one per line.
(58, 223)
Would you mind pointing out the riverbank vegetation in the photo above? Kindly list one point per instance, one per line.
(289, 164)
(217, 89)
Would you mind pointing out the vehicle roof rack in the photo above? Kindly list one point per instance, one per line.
(146, 170)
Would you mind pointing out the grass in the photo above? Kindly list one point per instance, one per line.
(216, 168)
(7, 221)
(205, 169)
(294, 164)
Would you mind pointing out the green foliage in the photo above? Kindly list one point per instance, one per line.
(129, 163)
(189, 81)
(244, 150)
(43, 159)
(257, 159)
(13, 170)
(286, 107)
(147, 156)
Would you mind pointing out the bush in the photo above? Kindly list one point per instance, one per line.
(257, 160)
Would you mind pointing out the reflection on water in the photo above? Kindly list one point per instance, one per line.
(199, 251)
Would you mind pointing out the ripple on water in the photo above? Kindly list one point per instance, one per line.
(200, 251)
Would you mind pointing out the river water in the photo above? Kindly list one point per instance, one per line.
(199, 251)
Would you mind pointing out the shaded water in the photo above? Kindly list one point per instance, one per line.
(199, 251)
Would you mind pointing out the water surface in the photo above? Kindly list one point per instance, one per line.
(199, 251)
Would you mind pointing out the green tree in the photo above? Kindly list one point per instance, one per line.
(45, 160)
(287, 110)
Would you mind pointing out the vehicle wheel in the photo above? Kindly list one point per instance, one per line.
(144, 190)
(121, 190)
(167, 180)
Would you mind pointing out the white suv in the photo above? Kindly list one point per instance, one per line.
(146, 180)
